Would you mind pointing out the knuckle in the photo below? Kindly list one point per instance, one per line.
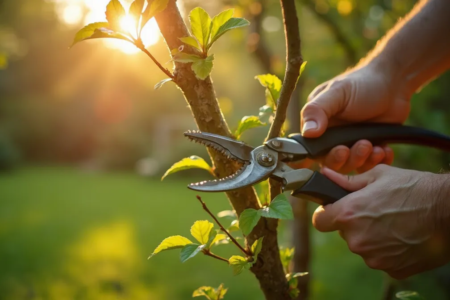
(349, 212)
(380, 168)
(355, 246)
(375, 263)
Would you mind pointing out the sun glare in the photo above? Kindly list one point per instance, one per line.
(72, 14)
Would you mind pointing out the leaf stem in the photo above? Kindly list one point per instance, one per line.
(138, 43)
(223, 228)
(208, 253)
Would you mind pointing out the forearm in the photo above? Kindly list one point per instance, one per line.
(418, 48)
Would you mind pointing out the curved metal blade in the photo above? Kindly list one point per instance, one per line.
(250, 174)
(235, 149)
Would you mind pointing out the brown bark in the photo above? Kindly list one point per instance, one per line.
(201, 97)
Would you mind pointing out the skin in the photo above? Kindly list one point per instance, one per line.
(396, 220)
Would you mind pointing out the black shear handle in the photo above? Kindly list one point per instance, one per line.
(324, 190)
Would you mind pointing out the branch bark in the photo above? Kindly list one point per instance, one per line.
(202, 99)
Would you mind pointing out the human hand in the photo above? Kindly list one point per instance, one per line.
(396, 220)
(366, 94)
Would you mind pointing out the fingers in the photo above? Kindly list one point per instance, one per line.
(350, 183)
(336, 158)
(324, 217)
(389, 156)
(315, 114)
(359, 153)
(377, 156)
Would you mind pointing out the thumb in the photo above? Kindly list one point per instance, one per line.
(316, 113)
(350, 183)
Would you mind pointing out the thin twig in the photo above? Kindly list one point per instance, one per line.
(141, 46)
(223, 228)
(208, 253)
(293, 62)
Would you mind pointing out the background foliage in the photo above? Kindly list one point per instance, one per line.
(93, 109)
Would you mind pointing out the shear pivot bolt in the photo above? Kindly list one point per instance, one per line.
(266, 159)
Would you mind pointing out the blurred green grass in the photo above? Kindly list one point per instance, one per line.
(69, 234)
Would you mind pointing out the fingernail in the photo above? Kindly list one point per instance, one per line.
(362, 150)
(340, 155)
(309, 125)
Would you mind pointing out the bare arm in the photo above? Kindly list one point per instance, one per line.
(379, 88)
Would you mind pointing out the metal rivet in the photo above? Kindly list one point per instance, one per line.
(265, 159)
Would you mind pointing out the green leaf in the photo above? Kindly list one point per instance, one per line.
(191, 41)
(96, 31)
(265, 111)
(172, 242)
(279, 208)
(200, 231)
(219, 237)
(206, 291)
(186, 57)
(211, 238)
(218, 21)
(162, 82)
(293, 282)
(248, 220)
(202, 67)
(188, 163)
(295, 275)
(246, 123)
(232, 23)
(408, 295)
(210, 293)
(234, 226)
(273, 88)
(190, 251)
(256, 247)
(302, 68)
(294, 293)
(200, 25)
(286, 255)
(238, 264)
(262, 189)
(153, 8)
(114, 14)
(136, 9)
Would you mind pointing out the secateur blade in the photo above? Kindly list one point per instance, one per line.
(251, 172)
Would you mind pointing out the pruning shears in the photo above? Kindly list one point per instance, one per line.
(270, 159)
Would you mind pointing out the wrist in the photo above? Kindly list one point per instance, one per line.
(440, 186)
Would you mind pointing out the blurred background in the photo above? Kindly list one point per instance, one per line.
(84, 140)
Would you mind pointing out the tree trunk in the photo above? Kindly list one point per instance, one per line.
(202, 100)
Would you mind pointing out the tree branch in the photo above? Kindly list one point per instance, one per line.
(293, 62)
(209, 253)
(141, 46)
(223, 228)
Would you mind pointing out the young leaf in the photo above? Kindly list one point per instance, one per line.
(279, 208)
(256, 247)
(200, 231)
(96, 31)
(227, 214)
(286, 255)
(221, 292)
(262, 189)
(188, 163)
(211, 238)
(190, 251)
(206, 291)
(185, 57)
(136, 9)
(191, 41)
(294, 293)
(172, 242)
(114, 14)
(200, 25)
(162, 82)
(232, 23)
(248, 220)
(302, 68)
(219, 20)
(246, 123)
(273, 88)
(219, 237)
(153, 8)
(238, 264)
(299, 274)
(202, 67)
(293, 282)
(234, 226)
